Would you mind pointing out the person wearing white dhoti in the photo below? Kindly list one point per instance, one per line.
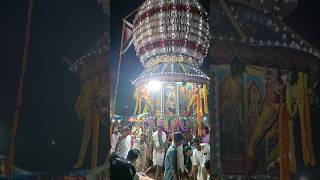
(114, 139)
(124, 143)
(158, 141)
(142, 147)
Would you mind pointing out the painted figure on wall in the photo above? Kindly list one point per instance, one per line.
(271, 85)
(254, 104)
(192, 93)
(260, 150)
(170, 100)
(232, 122)
(183, 99)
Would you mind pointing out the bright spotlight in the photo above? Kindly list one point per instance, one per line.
(154, 85)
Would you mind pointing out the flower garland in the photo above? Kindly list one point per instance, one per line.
(304, 113)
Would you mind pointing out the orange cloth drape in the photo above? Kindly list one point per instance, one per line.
(284, 143)
(95, 141)
(305, 121)
(199, 112)
(205, 99)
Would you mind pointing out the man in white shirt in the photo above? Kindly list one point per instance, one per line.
(159, 140)
(124, 143)
(199, 155)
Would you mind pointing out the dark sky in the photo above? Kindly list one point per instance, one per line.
(60, 28)
(69, 28)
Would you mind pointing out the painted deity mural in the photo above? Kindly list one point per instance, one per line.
(231, 114)
(170, 101)
(247, 114)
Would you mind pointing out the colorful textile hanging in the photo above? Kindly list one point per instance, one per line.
(284, 143)
(137, 97)
(95, 140)
(291, 111)
(145, 109)
(139, 105)
(85, 112)
(292, 149)
(88, 108)
(199, 112)
(305, 123)
(205, 98)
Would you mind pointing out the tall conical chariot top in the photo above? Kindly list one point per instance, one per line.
(171, 31)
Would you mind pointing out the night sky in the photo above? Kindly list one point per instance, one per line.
(60, 28)
(64, 28)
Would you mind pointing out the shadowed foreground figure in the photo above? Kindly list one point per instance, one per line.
(120, 169)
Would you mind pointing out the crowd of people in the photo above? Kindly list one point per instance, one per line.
(174, 155)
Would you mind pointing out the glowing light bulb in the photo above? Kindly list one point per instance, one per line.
(154, 85)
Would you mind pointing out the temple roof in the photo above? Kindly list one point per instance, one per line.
(100, 48)
(276, 7)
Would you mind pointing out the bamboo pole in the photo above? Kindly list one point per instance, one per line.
(25, 58)
(120, 60)
(131, 13)
(118, 72)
